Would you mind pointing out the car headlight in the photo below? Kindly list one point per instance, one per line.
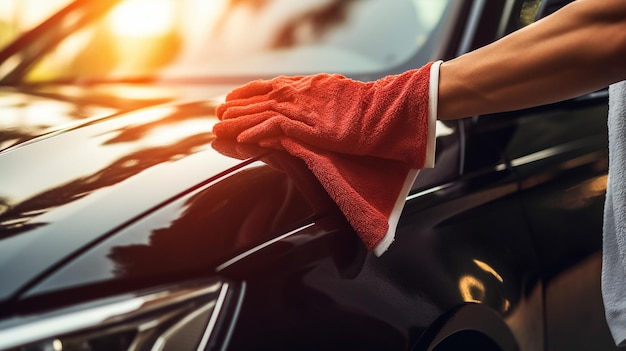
(197, 316)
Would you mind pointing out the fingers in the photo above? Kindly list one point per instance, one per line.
(269, 128)
(231, 128)
(271, 99)
(271, 143)
(247, 95)
(258, 126)
(231, 148)
(278, 126)
(261, 87)
(244, 107)
(254, 88)
(267, 109)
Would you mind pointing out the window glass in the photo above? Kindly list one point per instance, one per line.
(529, 11)
(17, 16)
(198, 38)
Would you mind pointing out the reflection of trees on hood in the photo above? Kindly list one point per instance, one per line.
(231, 216)
(19, 218)
(27, 117)
(22, 216)
(240, 212)
(13, 136)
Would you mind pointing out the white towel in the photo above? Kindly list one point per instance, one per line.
(614, 243)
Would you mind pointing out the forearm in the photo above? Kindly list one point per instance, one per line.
(577, 50)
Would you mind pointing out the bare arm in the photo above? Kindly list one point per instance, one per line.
(579, 49)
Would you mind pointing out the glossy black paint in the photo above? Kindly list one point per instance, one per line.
(482, 249)
(116, 165)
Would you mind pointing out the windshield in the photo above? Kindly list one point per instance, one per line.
(192, 39)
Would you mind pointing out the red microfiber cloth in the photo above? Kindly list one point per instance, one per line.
(364, 141)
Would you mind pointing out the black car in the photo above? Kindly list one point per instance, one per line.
(125, 225)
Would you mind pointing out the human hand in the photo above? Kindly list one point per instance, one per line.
(387, 118)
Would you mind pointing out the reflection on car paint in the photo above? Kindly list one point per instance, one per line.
(112, 158)
(25, 116)
(130, 145)
(191, 234)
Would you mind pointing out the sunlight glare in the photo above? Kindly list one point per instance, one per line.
(172, 134)
(472, 289)
(142, 18)
(487, 268)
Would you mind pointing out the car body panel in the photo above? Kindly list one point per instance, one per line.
(563, 173)
(119, 156)
(137, 193)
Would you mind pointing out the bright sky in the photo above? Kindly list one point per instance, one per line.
(6, 10)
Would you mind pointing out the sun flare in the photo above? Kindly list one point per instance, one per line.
(142, 18)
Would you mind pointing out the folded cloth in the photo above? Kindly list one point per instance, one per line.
(296, 170)
(614, 241)
(364, 141)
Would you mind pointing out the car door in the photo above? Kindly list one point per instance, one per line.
(559, 154)
(526, 208)
(466, 238)
(466, 245)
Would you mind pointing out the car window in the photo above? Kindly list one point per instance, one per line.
(529, 11)
(534, 135)
(17, 16)
(193, 38)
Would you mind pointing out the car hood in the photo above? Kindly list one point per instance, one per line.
(75, 183)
